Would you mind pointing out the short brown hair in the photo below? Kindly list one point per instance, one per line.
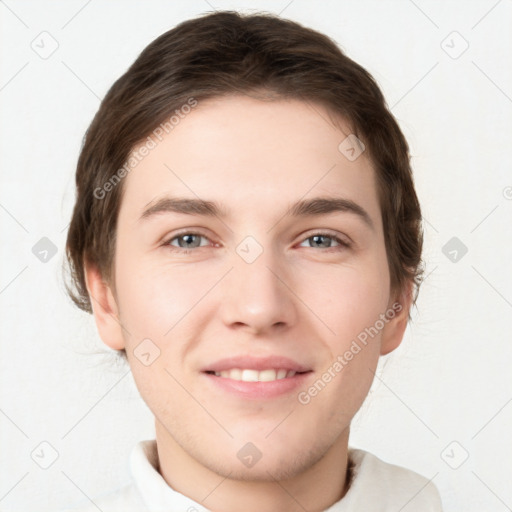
(226, 53)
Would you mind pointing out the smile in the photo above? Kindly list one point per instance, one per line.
(249, 375)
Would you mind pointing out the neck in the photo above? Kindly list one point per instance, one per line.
(315, 488)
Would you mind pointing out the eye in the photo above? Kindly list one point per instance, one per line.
(186, 241)
(324, 241)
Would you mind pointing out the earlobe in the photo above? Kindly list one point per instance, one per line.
(105, 309)
(398, 314)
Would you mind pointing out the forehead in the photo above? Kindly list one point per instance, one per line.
(252, 155)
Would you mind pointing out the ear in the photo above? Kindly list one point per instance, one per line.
(105, 309)
(398, 315)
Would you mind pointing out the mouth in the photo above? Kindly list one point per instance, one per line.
(257, 378)
(249, 375)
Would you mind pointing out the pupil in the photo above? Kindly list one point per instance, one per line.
(188, 239)
(317, 237)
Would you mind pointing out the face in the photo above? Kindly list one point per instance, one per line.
(233, 319)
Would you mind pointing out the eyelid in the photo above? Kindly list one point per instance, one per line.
(327, 232)
(186, 231)
(341, 238)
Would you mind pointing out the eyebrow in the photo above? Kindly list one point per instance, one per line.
(304, 208)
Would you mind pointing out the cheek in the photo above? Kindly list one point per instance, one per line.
(349, 299)
(155, 296)
(351, 306)
(361, 299)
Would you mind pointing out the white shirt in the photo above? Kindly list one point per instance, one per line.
(376, 486)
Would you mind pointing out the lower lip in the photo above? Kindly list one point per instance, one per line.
(259, 390)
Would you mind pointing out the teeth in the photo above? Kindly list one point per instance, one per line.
(281, 374)
(250, 375)
(235, 374)
(267, 375)
(246, 375)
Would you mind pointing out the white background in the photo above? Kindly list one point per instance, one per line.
(450, 379)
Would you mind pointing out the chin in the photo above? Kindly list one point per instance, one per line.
(265, 461)
(263, 470)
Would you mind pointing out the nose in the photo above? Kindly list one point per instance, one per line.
(258, 297)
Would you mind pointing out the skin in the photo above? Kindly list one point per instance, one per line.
(300, 299)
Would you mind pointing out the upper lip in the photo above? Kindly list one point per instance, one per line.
(255, 363)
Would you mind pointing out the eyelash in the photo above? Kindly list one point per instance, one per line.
(342, 243)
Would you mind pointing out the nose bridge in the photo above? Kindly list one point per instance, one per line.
(254, 293)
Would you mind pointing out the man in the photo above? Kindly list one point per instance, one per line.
(247, 233)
